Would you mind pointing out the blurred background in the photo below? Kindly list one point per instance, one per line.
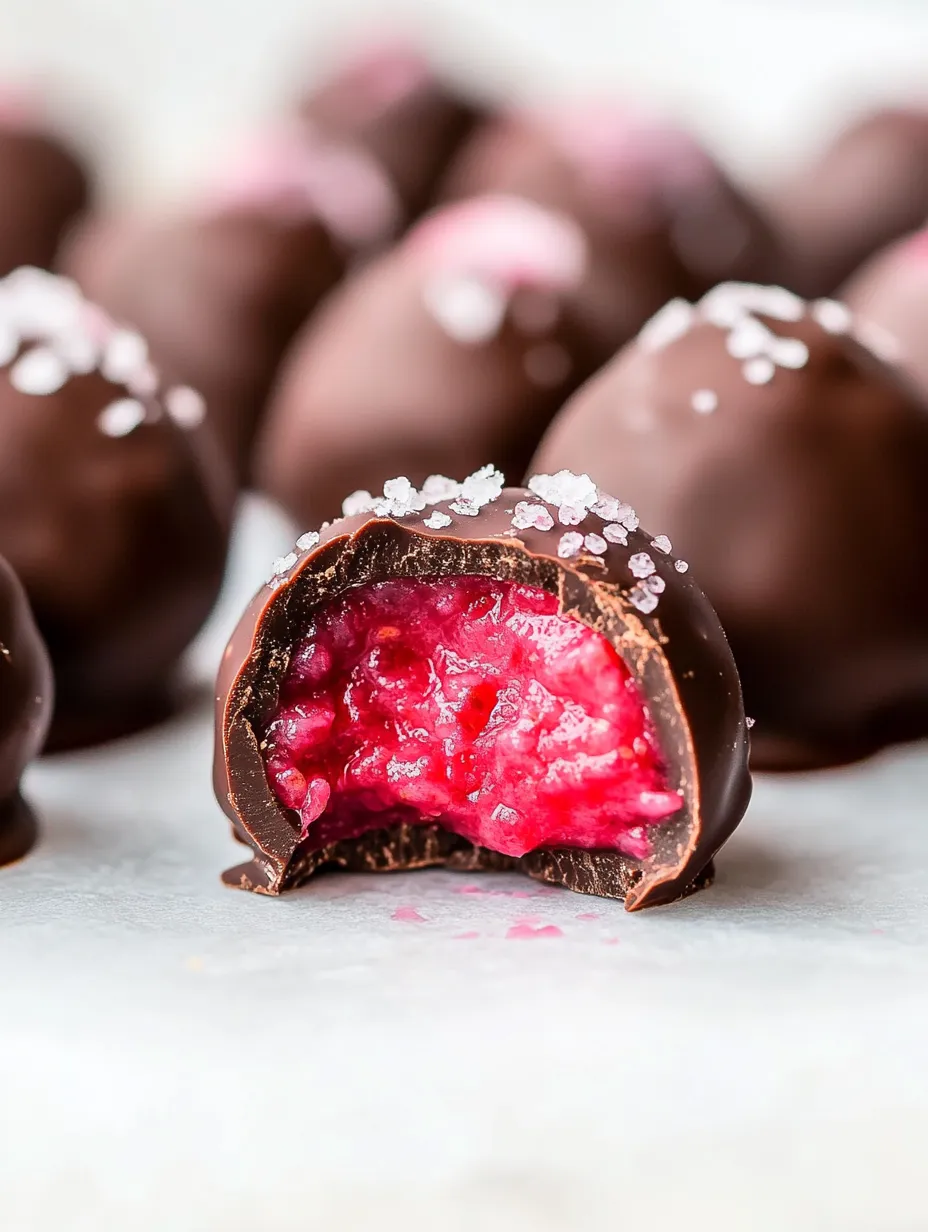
(155, 86)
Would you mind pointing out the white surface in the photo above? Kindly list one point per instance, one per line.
(175, 1055)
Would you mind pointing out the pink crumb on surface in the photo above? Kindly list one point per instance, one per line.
(408, 915)
(511, 242)
(528, 932)
(472, 703)
(470, 936)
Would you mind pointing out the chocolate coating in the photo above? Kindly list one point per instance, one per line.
(218, 295)
(866, 189)
(25, 710)
(787, 464)
(43, 187)
(389, 103)
(453, 347)
(661, 216)
(108, 511)
(676, 650)
(890, 294)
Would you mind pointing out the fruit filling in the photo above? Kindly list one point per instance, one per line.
(470, 703)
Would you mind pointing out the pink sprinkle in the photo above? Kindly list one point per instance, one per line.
(471, 889)
(511, 242)
(588, 915)
(526, 932)
(465, 936)
(408, 915)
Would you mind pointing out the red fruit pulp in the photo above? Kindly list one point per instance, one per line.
(472, 703)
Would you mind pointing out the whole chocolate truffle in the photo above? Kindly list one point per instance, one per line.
(866, 189)
(483, 678)
(107, 510)
(787, 463)
(890, 294)
(220, 292)
(25, 709)
(388, 103)
(455, 346)
(42, 187)
(661, 217)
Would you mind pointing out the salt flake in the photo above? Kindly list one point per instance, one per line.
(308, 541)
(121, 417)
(437, 520)
(662, 543)
(570, 545)
(595, 544)
(641, 565)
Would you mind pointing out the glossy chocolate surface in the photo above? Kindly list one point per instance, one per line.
(661, 625)
(218, 294)
(787, 463)
(43, 187)
(866, 189)
(661, 217)
(453, 347)
(389, 103)
(26, 696)
(112, 517)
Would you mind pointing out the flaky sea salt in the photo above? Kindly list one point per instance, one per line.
(570, 545)
(39, 372)
(437, 520)
(527, 516)
(681, 566)
(662, 543)
(308, 541)
(641, 565)
(121, 417)
(616, 533)
(644, 599)
(565, 488)
(185, 406)
(595, 544)
(283, 564)
(759, 371)
(358, 502)
(667, 325)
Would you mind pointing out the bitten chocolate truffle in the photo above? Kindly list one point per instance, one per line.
(786, 461)
(484, 679)
(25, 710)
(220, 291)
(43, 186)
(866, 189)
(455, 346)
(387, 103)
(108, 512)
(890, 295)
(661, 217)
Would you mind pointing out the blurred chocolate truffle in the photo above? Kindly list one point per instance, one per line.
(43, 186)
(890, 295)
(661, 217)
(25, 710)
(220, 291)
(389, 104)
(485, 679)
(108, 512)
(786, 463)
(866, 189)
(455, 346)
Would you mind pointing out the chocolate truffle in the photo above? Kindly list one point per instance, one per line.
(866, 189)
(787, 464)
(42, 186)
(107, 510)
(483, 678)
(661, 217)
(455, 346)
(219, 292)
(25, 709)
(890, 294)
(387, 103)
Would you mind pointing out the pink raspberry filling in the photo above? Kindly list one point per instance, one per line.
(471, 703)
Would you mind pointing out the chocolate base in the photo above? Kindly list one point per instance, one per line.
(401, 849)
(18, 829)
